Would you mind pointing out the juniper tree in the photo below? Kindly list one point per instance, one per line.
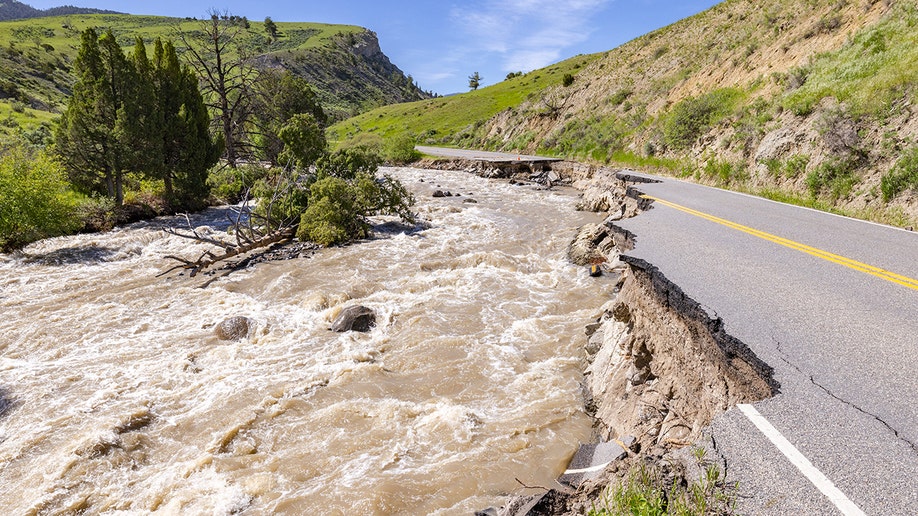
(188, 148)
(280, 96)
(94, 135)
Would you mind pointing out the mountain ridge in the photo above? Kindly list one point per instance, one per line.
(343, 63)
(13, 10)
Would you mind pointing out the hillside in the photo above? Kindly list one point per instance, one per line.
(14, 10)
(809, 101)
(344, 63)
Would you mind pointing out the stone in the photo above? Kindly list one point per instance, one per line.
(234, 328)
(470, 201)
(441, 193)
(355, 318)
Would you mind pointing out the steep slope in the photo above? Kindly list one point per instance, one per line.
(344, 63)
(803, 100)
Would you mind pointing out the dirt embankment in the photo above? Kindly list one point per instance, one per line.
(657, 366)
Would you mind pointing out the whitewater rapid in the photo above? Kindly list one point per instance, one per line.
(117, 398)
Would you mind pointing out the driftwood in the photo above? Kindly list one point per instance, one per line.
(208, 258)
(249, 230)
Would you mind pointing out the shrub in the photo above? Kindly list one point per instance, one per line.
(400, 150)
(230, 185)
(35, 199)
(723, 171)
(692, 116)
(902, 176)
(835, 177)
(795, 165)
(567, 80)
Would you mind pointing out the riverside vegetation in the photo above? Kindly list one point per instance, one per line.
(810, 102)
(135, 140)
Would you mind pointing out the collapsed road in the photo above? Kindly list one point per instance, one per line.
(831, 303)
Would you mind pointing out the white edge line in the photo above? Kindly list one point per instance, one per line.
(586, 470)
(844, 504)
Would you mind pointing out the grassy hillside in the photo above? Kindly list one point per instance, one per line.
(36, 57)
(803, 100)
(455, 119)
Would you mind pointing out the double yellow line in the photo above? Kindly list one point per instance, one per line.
(905, 281)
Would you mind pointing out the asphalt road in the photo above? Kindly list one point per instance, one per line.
(447, 152)
(842, 338)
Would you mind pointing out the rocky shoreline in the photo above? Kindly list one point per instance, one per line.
(657, 367)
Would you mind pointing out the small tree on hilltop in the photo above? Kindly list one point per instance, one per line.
(271, 28)
(474, 81)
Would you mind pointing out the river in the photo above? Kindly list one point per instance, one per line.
(116, 396)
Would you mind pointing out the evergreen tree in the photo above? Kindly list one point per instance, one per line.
(146, 116)
(189, 151)
(281, 95)
(94, 134)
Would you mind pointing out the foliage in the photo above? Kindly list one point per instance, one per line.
(724, 172)
(689, 118)
(835, 178)
(474, 81)
(595, 138)
(338, 207)
(873, 70)
(271, 28)
(183, 128)
(902, 176)
(400, 150)
(567, 80)
(644, 492)
(97, 131)
(136, 116)
(35, 200)
(230, 185)
(304, 141)
(279, 96)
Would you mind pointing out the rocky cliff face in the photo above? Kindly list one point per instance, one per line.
(351, 75)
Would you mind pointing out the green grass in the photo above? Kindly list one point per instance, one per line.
(876, 68)
(36, 55)
(449, 119)
(646, 492)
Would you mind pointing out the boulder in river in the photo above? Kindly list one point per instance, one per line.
(234, 328)
(354, 318)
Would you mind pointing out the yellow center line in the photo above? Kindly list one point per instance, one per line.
(819, 253)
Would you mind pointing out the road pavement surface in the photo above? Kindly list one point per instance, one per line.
(832, 304)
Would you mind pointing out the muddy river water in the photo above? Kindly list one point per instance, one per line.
(117, 398)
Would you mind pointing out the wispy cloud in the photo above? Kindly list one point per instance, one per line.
(526, 34)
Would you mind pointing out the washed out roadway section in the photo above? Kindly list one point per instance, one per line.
(844, 343)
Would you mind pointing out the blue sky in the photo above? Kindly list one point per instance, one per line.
(440, 43)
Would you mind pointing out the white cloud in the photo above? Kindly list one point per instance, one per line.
(525, 34)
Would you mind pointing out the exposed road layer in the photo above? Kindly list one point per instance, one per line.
(831, 303)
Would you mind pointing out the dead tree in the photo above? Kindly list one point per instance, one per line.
(251, 230)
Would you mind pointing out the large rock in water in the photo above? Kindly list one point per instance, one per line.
(354, 318)
(234, 328)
